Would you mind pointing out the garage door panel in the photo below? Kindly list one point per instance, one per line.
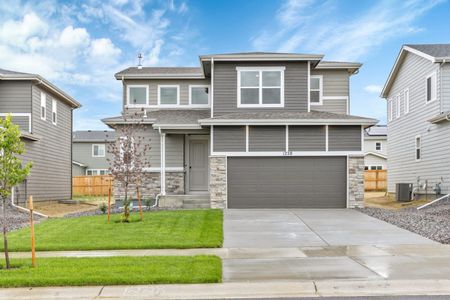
(287, 182)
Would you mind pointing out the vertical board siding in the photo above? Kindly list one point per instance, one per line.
(225, 86)
(229, 138)
(307, 138)
(15, 96)
(435, 162)
(344, 138)
(267, 138)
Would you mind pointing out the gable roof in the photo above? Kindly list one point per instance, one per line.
(435, 53)
(93, 136)
(376, 131)
(375, 154)
(13, 75)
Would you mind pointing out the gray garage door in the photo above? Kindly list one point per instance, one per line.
(287, 182)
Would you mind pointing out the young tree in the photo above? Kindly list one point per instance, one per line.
(12, 171)
(129, 157)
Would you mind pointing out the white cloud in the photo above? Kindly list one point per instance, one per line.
(318, 27)
(373, 88)
(74, 37)
(104, 50)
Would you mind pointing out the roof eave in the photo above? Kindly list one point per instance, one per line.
(158, 76)
(363, 122)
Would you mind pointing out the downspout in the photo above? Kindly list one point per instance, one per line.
(212, 87)
(23, 208)
(162, 175)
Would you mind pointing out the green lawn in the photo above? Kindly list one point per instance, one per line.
(159, 230)
(112, 271)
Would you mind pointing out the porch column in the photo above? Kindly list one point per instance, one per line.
(163, 163)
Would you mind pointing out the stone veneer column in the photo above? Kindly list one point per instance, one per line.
(355, 181)
(218, 181)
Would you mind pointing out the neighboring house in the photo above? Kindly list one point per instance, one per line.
(418, 107)
(375, 148)
(250, 130)
(90, 152)
(44, 114)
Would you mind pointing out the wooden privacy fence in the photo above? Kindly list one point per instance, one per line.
(375, 180)
(91, 185)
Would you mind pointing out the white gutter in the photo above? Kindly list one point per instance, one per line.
(212, 87)
(162, 180)
(286, 122)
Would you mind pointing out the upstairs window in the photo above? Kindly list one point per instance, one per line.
(54, 114)
(137, 95)
(431, 87)
(378, 146)
(315, 90)
(168, 95)
(98, 150)
(43, 106)
(199, 95)
(418, 147)
(260, 87)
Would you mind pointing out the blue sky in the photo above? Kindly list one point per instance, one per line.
(79, 45)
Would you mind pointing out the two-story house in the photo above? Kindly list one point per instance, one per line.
(375, 148)
(44, 114)
(90, 152)
(418, 109)
(251, 130)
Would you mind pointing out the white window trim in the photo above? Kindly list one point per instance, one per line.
(43, 105)
(97, 171)
(28, 115)
(54, 111)
(320, 77)
(169, 86)
(199, 86)
(370, 167)
(406, 100)
(398, 107)
(391, 110)
(104, 150)
(381, 146)
(146, 95)
(260, 87)
(415, 147)
(433, 74)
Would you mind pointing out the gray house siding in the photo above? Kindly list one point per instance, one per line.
(435, 161)
(78, 171)
(344, 138)
(335, 84)
(267, 138)
(229, 138)
(445, 84)
(225, 86)
(51, 175)
(15, 97)
(307, 138)
(82, 152)
(337, 106)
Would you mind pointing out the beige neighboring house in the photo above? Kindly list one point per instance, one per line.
(375, 148)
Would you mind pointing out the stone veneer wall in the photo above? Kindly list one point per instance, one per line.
(355, 181)
(151, 185)
(218, 181)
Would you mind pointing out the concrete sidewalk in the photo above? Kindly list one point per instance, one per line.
(346, 288)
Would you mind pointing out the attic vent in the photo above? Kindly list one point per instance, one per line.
(140, 61)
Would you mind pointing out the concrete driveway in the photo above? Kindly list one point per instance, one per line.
(279, 228)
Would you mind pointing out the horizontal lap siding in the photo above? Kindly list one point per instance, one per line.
(344, 138)
(337, 106)
(82, 152)
(229, 138)
(267, 138)
(435, 162)
(335, 82)
(307, 138)
(225, 86)
(15, 97)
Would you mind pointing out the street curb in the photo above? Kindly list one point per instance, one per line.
(271, 289)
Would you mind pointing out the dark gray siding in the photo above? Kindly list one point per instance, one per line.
(337, 106)
(15, 97)
(344, 138)
(267, 138)
(51, 174)
(78, 171)
(287, 182)
(229, 138)
(22, 121)
(225, 86)
(335, 82)
(307, 138)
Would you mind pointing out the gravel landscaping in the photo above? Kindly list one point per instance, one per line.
(432, 222)
(15, 218)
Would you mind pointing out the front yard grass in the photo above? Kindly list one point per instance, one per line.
(112, 271)
(159, 230)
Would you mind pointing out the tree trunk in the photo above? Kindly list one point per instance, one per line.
(5, 237)
(140, 203)
(126, 205)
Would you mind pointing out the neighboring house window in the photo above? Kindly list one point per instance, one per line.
(199, 95)
(397, 110)
(366, 168)
(373, 168)
(315, 90)
(54, 114)
(378, 146)
(168, 95)
(431, 87)
(137, 95)
(98, 150)
(390, 109)
(95, 172)
(406, 100)
(260, 87)
(43, 106)
(418, 147)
